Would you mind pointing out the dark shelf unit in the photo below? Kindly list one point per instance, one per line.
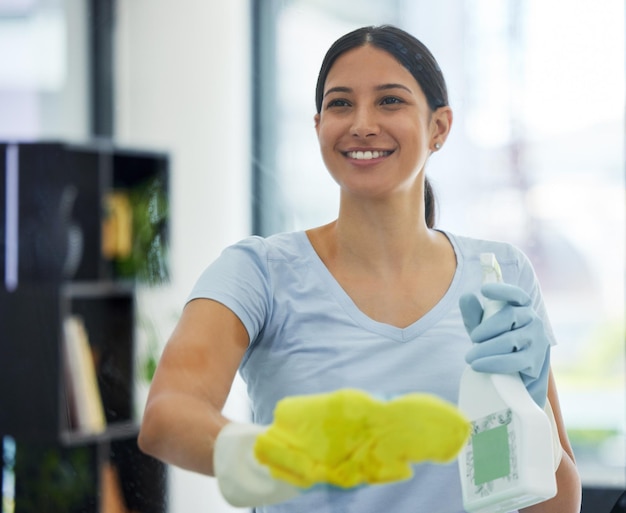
(53, 265)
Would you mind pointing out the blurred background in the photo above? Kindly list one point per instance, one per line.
(226, 90)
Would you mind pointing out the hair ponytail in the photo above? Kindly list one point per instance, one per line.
(430, 203)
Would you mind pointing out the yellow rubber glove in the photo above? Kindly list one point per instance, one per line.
(348, 438)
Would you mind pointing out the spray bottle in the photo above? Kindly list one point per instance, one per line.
(508, 461)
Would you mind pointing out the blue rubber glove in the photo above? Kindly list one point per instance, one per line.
(511, 340)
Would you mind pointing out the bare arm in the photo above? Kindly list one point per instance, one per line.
(193, 379)
(568, 498)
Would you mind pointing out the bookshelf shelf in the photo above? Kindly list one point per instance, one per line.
(115, 431)
(74, 241)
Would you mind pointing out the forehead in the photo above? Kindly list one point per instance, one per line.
(367, 65)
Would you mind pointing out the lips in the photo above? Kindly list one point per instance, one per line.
(367, 154)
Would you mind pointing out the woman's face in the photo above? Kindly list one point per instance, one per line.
(375, 127)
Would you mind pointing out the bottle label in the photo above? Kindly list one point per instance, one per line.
(491, 455)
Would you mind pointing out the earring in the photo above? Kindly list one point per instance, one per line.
(437, 145)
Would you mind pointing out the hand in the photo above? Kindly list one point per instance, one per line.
(511, 340)
(242, 480)
(347, 438)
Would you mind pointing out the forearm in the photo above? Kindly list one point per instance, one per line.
(568, 498)
(181, 430)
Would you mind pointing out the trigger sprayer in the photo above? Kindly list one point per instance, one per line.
(508, 461)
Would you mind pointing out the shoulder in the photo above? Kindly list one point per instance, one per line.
(515, 264)
(472, 247)
(282, 246)
(273, 245)
(259, 258)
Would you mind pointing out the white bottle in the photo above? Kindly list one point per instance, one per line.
(508, 462)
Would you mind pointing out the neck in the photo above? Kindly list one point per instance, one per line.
(382, 236)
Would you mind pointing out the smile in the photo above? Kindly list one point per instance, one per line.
(367, 155)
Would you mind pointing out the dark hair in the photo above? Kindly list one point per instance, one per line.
(408, 51)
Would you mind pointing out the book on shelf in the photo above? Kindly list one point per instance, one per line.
(85, 402)
(111, 495)
(117, 226)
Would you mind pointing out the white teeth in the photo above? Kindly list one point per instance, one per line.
(367, 155)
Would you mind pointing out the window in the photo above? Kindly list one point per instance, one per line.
(44, 80)
(536, 158)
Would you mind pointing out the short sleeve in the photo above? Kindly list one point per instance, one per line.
(528, 281)
(239, 279)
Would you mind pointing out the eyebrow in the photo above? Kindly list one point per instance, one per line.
(382, 87)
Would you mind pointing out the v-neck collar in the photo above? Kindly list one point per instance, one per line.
(399, 334)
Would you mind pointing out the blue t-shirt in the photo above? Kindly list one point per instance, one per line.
(308, 336)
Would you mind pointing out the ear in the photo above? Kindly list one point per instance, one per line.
(316, 119)
(441, 123)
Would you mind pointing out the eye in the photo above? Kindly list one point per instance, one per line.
(391, 100)
(337, 102)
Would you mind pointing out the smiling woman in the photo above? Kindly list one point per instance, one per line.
(375, 304)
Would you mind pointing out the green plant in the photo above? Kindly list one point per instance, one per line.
(147, 260)
(50, 479)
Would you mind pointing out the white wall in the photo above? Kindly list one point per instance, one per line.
(183, 85)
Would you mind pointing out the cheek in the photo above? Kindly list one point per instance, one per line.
(327, 144)
(418, 133)
(325, 137)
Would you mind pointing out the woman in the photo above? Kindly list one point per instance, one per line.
(378, 300)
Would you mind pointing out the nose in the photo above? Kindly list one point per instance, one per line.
(364, 123)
